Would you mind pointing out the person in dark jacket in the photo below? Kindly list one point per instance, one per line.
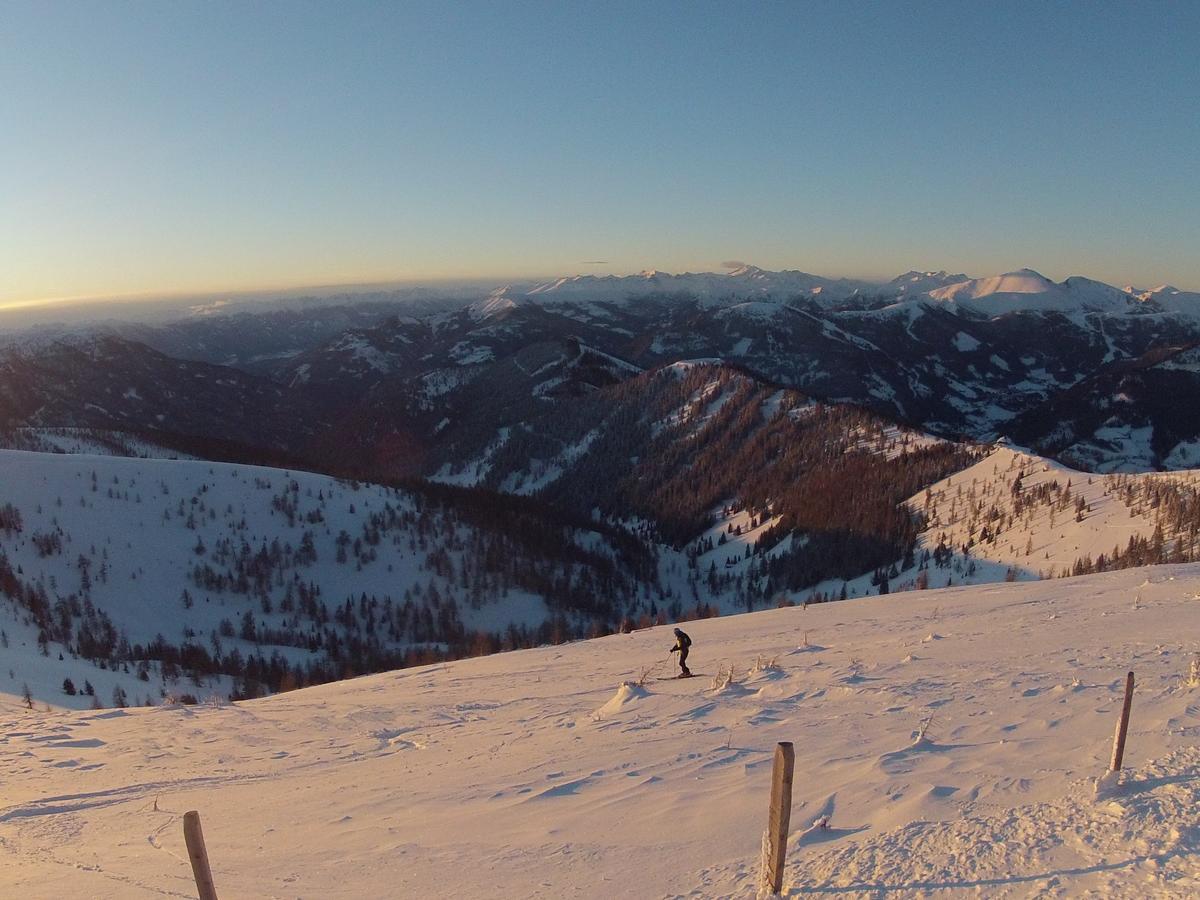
(682, 644)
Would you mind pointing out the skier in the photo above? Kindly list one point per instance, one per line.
(682, 643)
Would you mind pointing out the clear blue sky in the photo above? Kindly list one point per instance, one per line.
(159, 147)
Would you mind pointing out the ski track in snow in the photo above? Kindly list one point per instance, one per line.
(536, 774)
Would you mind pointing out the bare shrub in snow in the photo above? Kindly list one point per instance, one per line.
(763, 664)
(723, 678)
(648, 673)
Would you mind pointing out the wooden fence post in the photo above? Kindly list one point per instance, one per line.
(780, 817)
(1118, 753)
(197, 853)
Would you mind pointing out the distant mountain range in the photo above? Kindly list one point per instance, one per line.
(1023, 290)
(1096, 375)
(741, 282)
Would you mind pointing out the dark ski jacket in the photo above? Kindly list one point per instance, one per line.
(682, 641)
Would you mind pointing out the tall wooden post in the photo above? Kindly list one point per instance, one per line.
(1122, 727)
(780, 818)
(194, 837)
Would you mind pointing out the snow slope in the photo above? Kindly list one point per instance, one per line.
(1048, 536)
(536, 774)
(126, 537)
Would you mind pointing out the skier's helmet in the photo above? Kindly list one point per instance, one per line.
(678, 632)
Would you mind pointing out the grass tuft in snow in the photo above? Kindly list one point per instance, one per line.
(724, 678)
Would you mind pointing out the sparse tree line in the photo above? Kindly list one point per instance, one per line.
(1173, 504)
(985, 512)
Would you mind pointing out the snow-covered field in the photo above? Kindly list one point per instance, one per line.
(535, 774)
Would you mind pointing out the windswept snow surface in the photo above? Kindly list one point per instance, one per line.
(536, 774)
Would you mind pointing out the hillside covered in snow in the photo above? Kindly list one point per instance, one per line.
(947, 743)
(129, 581)
(1014, 515)
(133, 581)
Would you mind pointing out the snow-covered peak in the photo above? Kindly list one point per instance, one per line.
(742, 282)
(498, 301)
(745, 270)
(1022, 281)
(1164, 293)
(1169, 299)
(914, 282)
(912, 276)
(1026, 290)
